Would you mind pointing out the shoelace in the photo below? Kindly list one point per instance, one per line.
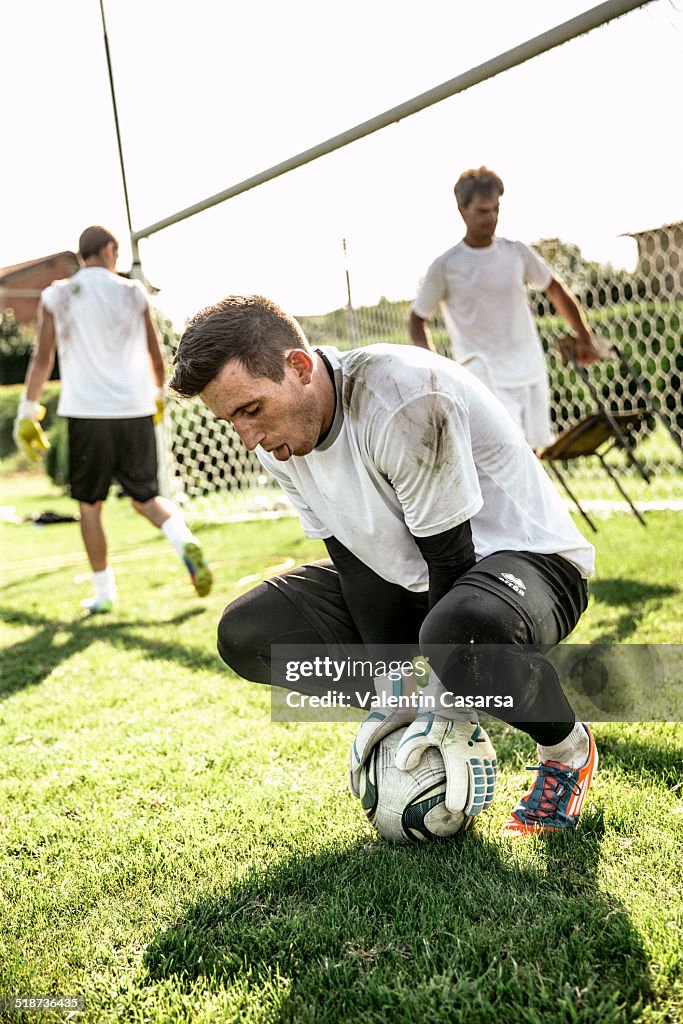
(555, 782)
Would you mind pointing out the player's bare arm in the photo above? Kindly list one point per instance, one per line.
(419, 332)
(585, 351)
(156, 352)
(43, 358)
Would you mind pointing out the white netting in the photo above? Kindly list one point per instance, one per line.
(641, 313)
(209, 467)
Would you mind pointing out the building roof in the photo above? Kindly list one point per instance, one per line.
(19, 269)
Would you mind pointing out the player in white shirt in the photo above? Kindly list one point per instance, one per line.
(112, 376)
(443, 531)
(480, 287)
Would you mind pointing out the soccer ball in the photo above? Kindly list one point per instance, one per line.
(407, 807)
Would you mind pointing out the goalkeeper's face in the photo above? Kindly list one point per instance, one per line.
(285, 418)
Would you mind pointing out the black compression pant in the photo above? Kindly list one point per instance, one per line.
(482, 637)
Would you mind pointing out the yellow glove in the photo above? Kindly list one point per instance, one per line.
(29, 436)
(161, 405)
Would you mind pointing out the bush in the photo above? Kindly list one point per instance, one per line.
(16, 346)
(17, 342)
(9, 400)
(15, 339)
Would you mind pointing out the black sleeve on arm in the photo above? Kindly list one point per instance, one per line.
(448, 555)
(377, 607)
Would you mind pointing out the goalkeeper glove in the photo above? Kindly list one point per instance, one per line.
(469, 758)
(379, 724)
(29, 436)
(160, 402)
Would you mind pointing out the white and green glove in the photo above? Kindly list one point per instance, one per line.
(29, 436)
(468, 754)
(380, 723)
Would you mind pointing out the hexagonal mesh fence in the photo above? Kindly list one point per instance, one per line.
(638, 315)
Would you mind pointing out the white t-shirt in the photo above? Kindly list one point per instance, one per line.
(484, 304)
(418, 446)
(102, 343)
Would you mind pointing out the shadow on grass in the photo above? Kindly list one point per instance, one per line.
(52, 642)
(464, 931)
(621, 591)
(663, 762)
(640, 598)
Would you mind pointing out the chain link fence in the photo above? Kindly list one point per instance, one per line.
(639, 315)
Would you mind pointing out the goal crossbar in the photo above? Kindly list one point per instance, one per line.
(582, 23)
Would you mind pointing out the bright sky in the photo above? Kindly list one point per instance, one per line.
(587, 138)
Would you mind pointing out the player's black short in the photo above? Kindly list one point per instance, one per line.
(544, 592)
(517, 597)
(104, 450)
(488, 634)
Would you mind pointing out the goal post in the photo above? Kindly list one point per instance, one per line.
(639, 312)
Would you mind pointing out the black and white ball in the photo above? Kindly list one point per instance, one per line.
(407, 807)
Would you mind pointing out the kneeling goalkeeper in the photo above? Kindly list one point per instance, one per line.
(443, 533)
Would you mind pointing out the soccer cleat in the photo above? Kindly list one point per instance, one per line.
(554, 802)
(200, 574)
(95, 607)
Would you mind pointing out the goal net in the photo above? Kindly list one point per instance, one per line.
(640, 312)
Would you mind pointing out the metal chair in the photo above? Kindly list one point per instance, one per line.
(601, 431)
(597, 434)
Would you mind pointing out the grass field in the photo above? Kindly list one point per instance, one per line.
(173, 855)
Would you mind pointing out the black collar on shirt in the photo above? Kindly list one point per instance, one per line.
(328, 439)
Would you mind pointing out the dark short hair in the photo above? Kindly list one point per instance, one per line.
(478, 181)
(93, 240)
(249, 328)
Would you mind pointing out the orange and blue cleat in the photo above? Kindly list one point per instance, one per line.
(554, 802)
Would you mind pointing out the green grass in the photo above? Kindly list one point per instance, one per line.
(175, 856)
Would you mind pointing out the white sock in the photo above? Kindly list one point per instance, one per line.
(104, 584)
(571, 751)
(177, 532)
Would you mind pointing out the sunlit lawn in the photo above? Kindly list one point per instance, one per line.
(173, 855)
